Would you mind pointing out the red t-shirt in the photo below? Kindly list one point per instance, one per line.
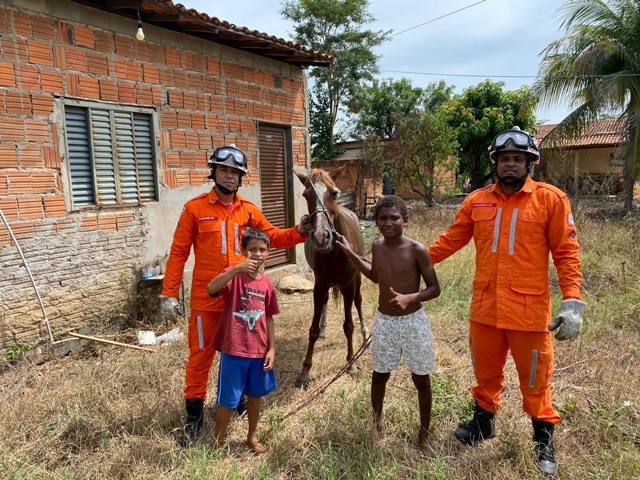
(243, 326)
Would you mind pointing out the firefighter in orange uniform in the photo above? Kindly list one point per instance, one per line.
(213, 224)
(514, 224)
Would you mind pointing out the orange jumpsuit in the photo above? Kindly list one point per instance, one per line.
(511, 302)
(215, 231)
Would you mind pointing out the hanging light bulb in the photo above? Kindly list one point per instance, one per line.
(139, 33)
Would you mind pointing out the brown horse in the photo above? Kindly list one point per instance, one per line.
(330, 265)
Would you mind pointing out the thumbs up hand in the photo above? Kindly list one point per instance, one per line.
(399, 301)
(249, 265)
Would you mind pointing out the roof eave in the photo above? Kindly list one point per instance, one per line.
(176, 17)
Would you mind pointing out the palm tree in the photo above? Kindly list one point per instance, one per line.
(596, 67)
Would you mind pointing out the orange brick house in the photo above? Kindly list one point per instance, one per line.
(103, 138)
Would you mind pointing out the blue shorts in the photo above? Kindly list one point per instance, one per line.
(238, 375)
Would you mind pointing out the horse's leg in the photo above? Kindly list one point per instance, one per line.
(319, 296)
(358, 302)
(323, 318)
(348, 294)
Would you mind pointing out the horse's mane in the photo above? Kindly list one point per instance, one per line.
(318, 174)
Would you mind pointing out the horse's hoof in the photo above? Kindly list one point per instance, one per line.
(302, 382)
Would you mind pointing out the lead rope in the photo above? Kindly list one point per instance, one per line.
(319, 390)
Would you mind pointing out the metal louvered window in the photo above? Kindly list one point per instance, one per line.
(111, 154)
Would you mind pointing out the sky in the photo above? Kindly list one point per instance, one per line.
(492, 39)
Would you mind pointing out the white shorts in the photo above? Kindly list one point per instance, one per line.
(407, 336)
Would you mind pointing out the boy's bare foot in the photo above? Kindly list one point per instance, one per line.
(256, 447)
(423, 440)
(226, 461)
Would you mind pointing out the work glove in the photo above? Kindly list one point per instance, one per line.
(569, 319)
(169, 306)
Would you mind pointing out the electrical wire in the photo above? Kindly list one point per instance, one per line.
(438, 18)
(510, 76)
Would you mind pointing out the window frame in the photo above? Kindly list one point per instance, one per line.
(111, 109)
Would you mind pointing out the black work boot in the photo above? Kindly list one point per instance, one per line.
(195, 419)
(481, 427)
(544, 447)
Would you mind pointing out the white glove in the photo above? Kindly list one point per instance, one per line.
(569, 319)
(169, 305)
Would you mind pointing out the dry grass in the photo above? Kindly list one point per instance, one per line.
(105, 412)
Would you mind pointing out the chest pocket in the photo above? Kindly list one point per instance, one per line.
(211, 234)
(484, 221)
(532, 225)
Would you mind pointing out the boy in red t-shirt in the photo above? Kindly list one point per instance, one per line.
(245, 336)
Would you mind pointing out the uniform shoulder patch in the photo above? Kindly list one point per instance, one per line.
(570, 220)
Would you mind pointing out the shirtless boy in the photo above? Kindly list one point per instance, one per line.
(401, 327)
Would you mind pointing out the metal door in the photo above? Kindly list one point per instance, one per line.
(274, 166)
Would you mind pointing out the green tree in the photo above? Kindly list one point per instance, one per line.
(335, 27)
(423, 153)
(320, 121)
(596, 67)
(478, 115)
(380, 106)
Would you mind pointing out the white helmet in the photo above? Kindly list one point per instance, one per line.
(230, 156)
(515, 139)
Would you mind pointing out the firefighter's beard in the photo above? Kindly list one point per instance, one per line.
(512, 180)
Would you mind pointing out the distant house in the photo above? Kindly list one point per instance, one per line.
(588, 164)
(351, 159)
(374, 183)
(104, 137)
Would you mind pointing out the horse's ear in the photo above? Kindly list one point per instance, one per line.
(302, 177)
(335, 173)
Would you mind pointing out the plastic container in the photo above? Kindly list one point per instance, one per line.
(146, 272)
(170, 337)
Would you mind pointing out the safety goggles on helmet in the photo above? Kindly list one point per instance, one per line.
(230, 156)
(514, 139)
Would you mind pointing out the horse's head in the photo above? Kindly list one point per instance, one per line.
(322, 194)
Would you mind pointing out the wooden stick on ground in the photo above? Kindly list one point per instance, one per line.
(112, 342)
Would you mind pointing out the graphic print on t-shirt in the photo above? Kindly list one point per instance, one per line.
(256, 299)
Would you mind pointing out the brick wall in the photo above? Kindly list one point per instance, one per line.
(84, 261)
(347, 180)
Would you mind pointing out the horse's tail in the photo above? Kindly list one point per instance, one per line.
(335, 293)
